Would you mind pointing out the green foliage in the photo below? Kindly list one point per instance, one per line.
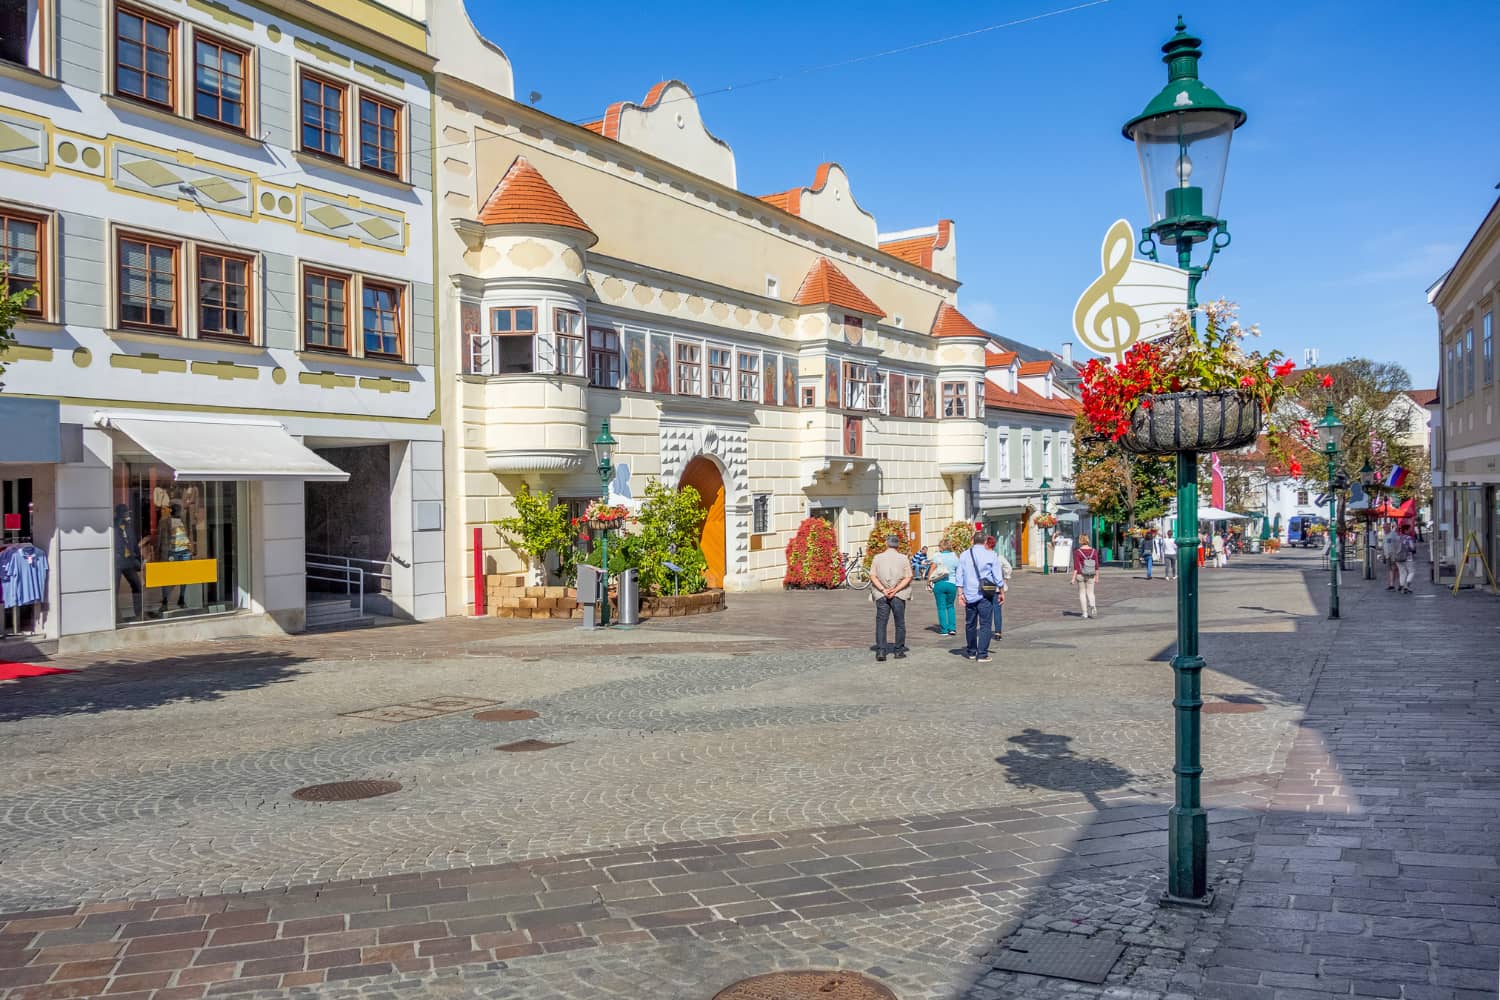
(11, 306)
(667, 529)
(539, 527)
(883, 528)
(1117, 485)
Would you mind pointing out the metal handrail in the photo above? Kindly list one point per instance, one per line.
(381, 567)
(347, 575)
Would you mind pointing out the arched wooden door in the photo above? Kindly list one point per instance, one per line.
(703, 475)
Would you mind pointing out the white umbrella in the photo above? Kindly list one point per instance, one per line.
(1216, 514)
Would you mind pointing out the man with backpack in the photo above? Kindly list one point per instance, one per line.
(1085, 570)
(1406, 558)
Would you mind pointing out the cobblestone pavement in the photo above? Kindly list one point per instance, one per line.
(734, 794)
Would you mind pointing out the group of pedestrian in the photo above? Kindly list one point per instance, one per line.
(974, 580)
(1160, 550)
(1399, 550)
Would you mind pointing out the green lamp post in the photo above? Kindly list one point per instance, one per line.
(1182, 140)
(604, 447)
(1331, 435)
(1046, 532)
(1367, 480)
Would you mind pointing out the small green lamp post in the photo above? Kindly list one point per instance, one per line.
(1367, 480)
(1046, 532)
(1331, 435)
(604, 447)
(1182, 140)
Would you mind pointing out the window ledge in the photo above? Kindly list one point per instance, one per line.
(314, 358)
(34, 324)
(206, 343)
(15, 71)
(312, 161)
(124, 105)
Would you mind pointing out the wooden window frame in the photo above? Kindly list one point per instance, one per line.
(754, 371)
(41, 40)
(325, 274)
(36, 307)
(493, 335)
(398, 313)
(222, 44)
(224, 255)
(679, 366)
(960, 397)
(357, 144)
(868, 376)
(344, 90)
(605, 353)
(176, 327)
(174, 28)
(561, 332)
(710, 368)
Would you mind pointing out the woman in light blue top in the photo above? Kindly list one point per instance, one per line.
(944, 589)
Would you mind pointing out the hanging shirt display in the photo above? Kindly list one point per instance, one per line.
(23, 575)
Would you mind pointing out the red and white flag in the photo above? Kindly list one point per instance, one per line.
(1218, 482)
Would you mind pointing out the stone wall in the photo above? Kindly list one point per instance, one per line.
(507, 596)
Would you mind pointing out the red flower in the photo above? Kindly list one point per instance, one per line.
(1295, 468)
(1247, 380)
(1326, 381)
(1285, 368)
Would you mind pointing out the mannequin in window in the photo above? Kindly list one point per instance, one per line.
(128, 555)
(173, 545)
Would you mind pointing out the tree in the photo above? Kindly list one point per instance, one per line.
(1117, 485)
(1366, 396)
(538, 527)
(11, 306)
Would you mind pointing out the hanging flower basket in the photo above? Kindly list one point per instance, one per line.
(604, 524)
(1045, 521)
(1167, 423)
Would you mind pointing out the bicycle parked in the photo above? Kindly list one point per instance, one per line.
(852, 571)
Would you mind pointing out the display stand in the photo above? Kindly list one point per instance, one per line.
(1472, 548)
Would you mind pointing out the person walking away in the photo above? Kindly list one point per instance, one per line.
(979, 581)
(1202, 549)
(920, 564)
(1085, 571)
(1390, 548)
(1005, 570)
(1406, 557)
(1218, 551)
(890, 589)
(940, 581)
(1153, 552)
(1169, 556)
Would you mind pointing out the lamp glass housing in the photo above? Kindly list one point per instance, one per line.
(1330, 430)
(1184, 156)
(604, 446)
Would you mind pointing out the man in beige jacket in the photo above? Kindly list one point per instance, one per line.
(890, 589)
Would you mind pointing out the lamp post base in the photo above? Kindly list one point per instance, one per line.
(1203, 902)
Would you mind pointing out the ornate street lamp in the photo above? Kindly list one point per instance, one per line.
(1182, 139)
(1046, 532)
(1331, 435)
(604, 447)
(1367, 480)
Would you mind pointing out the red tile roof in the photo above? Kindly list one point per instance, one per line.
(524, 196)
(1036, 368)
(609, 125)
(949, 322)
(791, 199)
(827, 285)
(1423, 397)
(918, 249)
(1001, 360)
(1025, 400)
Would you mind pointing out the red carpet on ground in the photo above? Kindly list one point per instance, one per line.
(10, 671)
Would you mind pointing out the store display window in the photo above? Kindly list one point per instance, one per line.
(178, 547)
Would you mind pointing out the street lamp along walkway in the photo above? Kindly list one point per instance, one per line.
(604, 449)
(1331, 435)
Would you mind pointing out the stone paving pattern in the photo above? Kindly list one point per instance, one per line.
(762, 797)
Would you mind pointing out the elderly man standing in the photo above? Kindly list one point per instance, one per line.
(979, 581)
(890, 589)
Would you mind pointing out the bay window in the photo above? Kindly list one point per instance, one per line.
(567, 331)
(955, 399)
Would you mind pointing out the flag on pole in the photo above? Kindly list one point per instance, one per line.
(1218, 482)
(1396, 478)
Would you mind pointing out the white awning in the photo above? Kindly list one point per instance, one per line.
(222, 449)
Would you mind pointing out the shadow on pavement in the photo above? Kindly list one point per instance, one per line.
(1045, 760)
(129, 685)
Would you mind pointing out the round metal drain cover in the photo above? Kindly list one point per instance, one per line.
(505, 715)
(1231, 707)
(806, 985)
(527, 746)
(346, 791)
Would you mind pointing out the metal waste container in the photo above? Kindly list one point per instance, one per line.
(629, 588)
(588, 594)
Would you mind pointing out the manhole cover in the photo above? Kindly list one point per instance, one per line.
(527, 746)
(806, 985)
(505, 715)
(1231, 707)
(1061, 956)
(345, 791)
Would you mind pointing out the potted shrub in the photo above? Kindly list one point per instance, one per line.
(878, 534)
(1192, 390)
(812, 556)
(959, 535)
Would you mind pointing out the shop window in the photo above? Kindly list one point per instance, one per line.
(955, 399)
(567, 331)
(21, 24)
(176, 544)
(749, 378)
(325, 311)
(512, 341)
(219, 83)
(145, 53)
(22, 242)
(604, 357)
(761, 514)
(323, 116)
(719, 360)
(148, 284)
(379, 135)
(382, 319)
(690, 369)
(223, 295)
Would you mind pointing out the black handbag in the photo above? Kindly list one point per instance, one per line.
(986, 588)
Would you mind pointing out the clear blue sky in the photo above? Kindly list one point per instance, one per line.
(1370, 155)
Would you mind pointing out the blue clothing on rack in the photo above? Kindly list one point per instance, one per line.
(23, 575)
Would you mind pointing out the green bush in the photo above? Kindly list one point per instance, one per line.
(666, 530)
(539, 527)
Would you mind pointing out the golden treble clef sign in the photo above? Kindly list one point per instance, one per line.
(1130, 300)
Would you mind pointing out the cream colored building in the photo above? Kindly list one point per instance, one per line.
(776, 352)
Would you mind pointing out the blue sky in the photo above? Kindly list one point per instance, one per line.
(1370, 155)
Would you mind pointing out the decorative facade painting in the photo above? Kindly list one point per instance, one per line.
(833, 397)
(788, 381)
(895, 398)
(768, 378)
(634, 375)
(929, 398)
(661, 363)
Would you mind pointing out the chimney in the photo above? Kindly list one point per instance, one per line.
(1067, 353)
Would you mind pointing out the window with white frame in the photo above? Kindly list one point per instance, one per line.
(955, 399)
(988, 472)
(761, 514)
(749, 377)
(567, 332)
(689, 368)
(1004, 456)
(1489, 348)
(1469, 362)
(22, 27)
(1028, 458)
(1450, 394)
(1047, 458)
(719, 361)
(859, 386)
(913, 396)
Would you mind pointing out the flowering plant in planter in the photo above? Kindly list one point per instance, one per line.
(812, 556)
(959, 535)
(599, 514)
(1215, 393)
(1141, 532)
(1045, 520)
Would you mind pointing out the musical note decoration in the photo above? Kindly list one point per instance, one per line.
(1130, 300)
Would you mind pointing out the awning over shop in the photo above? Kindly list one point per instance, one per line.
(223, 449)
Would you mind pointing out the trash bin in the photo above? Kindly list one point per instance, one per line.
(588, 594)
(629, 589)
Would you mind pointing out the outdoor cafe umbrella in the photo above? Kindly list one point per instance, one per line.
(1218, 514)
